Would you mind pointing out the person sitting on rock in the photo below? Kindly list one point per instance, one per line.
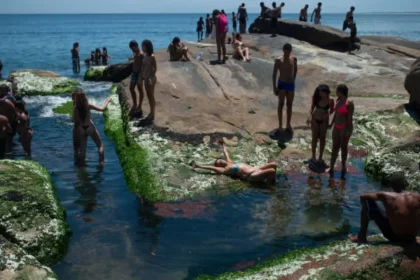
(23, 126)
(105, 56)
(240, 51)
(347, 19)
(245, 172)
(177, 51)
(5, 130)
(398, 222)
(304, 14)
(84, 126)
(317, 13)
(321, 109)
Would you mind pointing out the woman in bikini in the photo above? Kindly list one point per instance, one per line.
(321, 109)
(343, 129)
(222, 28)
(84, 127)
(241, 52)
(245, 172)
(148, 77)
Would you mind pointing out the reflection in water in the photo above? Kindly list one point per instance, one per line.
(86, 185)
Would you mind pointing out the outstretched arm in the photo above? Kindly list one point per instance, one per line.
(100, 109)
(218, 170)
(225, 152)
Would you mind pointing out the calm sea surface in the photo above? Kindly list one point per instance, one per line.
(115, 235)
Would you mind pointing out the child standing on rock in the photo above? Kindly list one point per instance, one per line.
(148, 77)
(136, 111)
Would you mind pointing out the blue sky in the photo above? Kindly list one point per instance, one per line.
(191, 6)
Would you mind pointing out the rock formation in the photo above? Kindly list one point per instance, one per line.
(412, 84)
(112, 73)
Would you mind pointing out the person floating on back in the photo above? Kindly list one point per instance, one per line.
(243, 17)
(177, 51)
(276, 13)
(353, 35)
(304, 14)
(398, 222)
(105, 56)
(234, 22)
(347, 19)
(284, 88)
(245, 172)
(317, 13)
(148, 78)
(135, 111)
(200, 29)
(75, 58)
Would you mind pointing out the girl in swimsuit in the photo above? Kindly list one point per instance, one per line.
(322, 107)
(222, 28)
(84, 127)
(241, 52)
(148, 76)
(245, 172)
(343, 128)
(105, 56)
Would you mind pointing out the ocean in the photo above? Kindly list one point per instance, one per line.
(44, 41)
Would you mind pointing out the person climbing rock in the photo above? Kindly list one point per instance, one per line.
(347, 18)
(245, 172)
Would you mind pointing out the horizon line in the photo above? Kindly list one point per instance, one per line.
(193, 13)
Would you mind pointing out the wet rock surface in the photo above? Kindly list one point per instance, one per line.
(112, 73)
(39, 82)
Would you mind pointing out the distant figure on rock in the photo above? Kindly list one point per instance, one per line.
(234, 22)
(222, 28)
(7, 109)
(75, 58)
(245, 172)
(319, 114)
(284, 88)
(265, 12)
(84, 127)
(23, 128)
(105, 56)
(135, 111)
(317, 13)
(148, 78)
(243, 17)
(276, 13)
(304, 14)
(398, 222)
(5, 130)
(353, 35)
(209, 25)
(347, 19)
(342, 129)
(200, 29)
(98, 57)
(177, 51)
(240, 51)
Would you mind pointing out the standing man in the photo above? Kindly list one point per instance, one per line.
(284, 88)
(304, 14)
(243, 17)
(399, 222)
(317, 13)
(209, 25)
(276, 13)
(347, 19)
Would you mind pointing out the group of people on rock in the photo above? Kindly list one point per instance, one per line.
(14, 118)
(96, 58)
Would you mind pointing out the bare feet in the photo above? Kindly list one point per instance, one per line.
(357, 239)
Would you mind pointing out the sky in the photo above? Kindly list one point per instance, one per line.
(193, 6)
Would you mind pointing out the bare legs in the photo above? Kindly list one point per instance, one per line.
(289, 97)
(267, 173)
(340, 142)
(223, 45)
(82, 137)
(364, 223)
(315, 136)
(136, 106)
(150, 91)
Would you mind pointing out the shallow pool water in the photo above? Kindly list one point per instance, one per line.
(117, 236)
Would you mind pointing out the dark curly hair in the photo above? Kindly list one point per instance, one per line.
(148, 45)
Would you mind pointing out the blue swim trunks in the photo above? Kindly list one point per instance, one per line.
(134, 78)
(286, 86)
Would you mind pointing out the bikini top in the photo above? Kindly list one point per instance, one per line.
(342, 109)
(326, 108)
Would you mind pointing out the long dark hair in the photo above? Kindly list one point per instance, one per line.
(343, 89)
(148, 45)
(317, 96)
(82, 105)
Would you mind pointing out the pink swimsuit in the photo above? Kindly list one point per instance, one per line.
(343, 111)
(223, 24)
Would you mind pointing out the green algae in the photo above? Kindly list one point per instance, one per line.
(95, 73)
(15, 263)
(64, 109)
(30, 214)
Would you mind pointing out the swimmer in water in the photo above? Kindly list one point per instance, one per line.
(245, 172)
(84, 126)
(75, 58)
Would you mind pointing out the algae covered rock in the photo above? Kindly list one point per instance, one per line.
(401, 156)
(16, 264)
(64, 109)
(38, 82)
(30, 214)
(112, 73)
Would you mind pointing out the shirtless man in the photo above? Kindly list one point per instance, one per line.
(317, 13)
(5, 129)
(7, 109)
(284, 88)
(347, 19)
(304, 14)
(276, 13)
(136, 111)
(399, 222)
